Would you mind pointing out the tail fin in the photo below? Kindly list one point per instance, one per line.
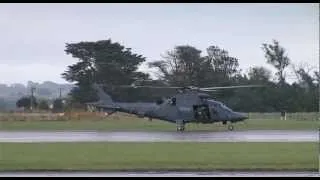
(103, 97)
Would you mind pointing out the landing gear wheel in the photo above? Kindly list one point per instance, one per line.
(230, 127)
(180, 129)
(180, 125)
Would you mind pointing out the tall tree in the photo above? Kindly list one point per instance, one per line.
(259, 74)
(308, 90)
(180, 66)
(185, 66)
(275, 55)
(224, 66)
(102, 62)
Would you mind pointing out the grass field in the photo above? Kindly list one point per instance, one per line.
(159, 156)
(116, 123)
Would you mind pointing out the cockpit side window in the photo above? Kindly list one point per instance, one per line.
(221, 105)
(217, 104)
(225, 107)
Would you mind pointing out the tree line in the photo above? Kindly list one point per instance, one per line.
(31, 103)
(112, 64)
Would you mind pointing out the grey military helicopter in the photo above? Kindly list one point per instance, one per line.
(188, 105)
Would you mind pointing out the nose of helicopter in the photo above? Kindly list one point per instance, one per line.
(240, 116)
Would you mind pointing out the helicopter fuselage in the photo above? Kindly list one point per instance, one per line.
(185, 107)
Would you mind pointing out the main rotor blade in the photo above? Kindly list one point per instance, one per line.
(230, 87)
(208, 90)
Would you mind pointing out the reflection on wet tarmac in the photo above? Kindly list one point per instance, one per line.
(92, 136)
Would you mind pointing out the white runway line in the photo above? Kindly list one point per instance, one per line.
(92, 136)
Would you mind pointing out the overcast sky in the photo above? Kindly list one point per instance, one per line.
(34, 35)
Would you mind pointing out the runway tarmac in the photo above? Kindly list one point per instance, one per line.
(160, 174)
(92, 136)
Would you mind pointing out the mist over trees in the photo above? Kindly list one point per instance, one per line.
(110, 63)
(10, 94)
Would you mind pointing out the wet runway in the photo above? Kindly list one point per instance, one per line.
(92, 136)
(160, 174)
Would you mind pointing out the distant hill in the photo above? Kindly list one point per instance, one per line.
(48, 90)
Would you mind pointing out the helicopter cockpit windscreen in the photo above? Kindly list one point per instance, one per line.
(214, 103)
